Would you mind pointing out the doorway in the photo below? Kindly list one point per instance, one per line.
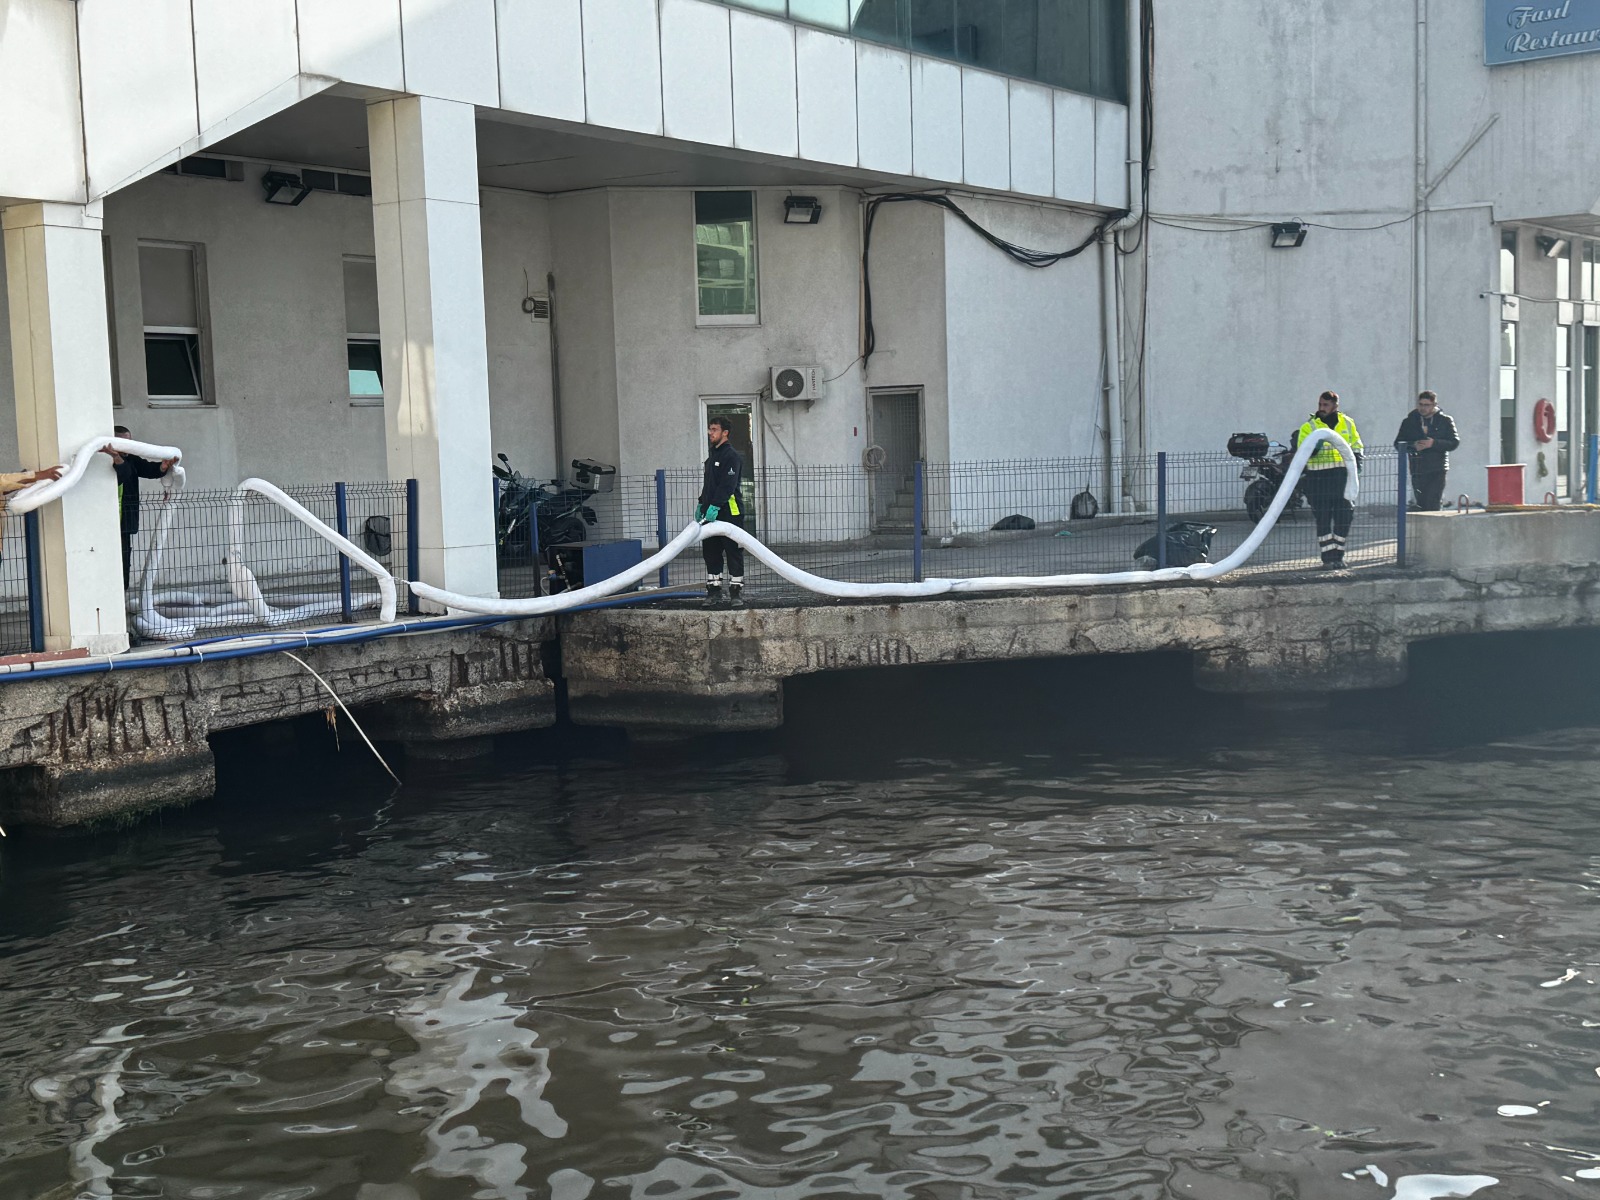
(894, 424)
(740, 412)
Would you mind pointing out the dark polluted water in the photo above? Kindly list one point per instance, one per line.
(1045, 931)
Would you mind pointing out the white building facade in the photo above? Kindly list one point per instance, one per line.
(574, 228)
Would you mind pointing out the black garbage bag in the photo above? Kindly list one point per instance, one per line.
(1013, 522)
(1188, 542)
(1084, 506)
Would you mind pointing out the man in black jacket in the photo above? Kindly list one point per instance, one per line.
(130, 469)
(1428, 435)
(719, 501)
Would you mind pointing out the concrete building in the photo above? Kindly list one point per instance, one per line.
(364, 239)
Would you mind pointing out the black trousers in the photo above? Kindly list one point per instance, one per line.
(127, 557)
(1325, 492)
(715, 549)
(1428, 487)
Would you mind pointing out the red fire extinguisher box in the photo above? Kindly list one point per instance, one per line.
(1505, 483)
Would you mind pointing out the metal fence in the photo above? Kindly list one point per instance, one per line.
(14, 635)
(951, 520)
(963, 520)
(232, 561)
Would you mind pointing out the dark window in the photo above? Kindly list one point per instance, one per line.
(366, 369)
(725, 257)
(172, 365)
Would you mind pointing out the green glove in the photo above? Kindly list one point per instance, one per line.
(700, 513)
(712, 511)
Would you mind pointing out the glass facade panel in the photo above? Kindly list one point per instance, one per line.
(1508, 262)
(1564, 274)
(725, 256)
(1080, 45)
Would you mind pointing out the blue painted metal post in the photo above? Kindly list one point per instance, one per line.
(1161, 510)
(1592, 494)
(413, 543)
(1400, 464)
(661, 518)
(917, 494)
(341, 517)
(30, 529)
(533, 546)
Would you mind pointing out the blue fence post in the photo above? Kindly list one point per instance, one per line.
(533, 547)
(917, 504)
(30, 529)
(341, 522)
(661, 519)
(1161, 510)
(1592, 493)
(1400, 465)
(413, 544)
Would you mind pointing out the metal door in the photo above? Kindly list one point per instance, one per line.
(894, 425)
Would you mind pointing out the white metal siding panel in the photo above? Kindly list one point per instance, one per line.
(357, 41)
(696, 72)
(622, 64)
(541, 58)
(883, 102)
(936, 119)
(450, 50)
(1032, 139)
(1110, 154)
(825, 68)
(137, 66)
(764, 106)
(1074, 147)
(986, 129)
(41, 135)
(242, 52)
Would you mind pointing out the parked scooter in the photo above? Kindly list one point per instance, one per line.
(562, 513)
(1266, 464)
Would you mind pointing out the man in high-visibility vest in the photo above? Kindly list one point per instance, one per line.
(719, 501)
(1326, 476)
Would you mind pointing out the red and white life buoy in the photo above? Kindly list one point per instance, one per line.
(1544, 420)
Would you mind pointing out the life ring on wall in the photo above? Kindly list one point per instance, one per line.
(1544, 420)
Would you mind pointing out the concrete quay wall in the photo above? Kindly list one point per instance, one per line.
(670, 673)
(79, 748)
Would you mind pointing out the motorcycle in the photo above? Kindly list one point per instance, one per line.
(561, 514)
(1266, 464)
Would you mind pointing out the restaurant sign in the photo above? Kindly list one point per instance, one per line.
(1514, 32)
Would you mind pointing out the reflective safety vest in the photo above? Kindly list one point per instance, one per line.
(1327, 454)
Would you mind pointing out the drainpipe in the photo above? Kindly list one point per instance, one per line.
(1419, 224)
(1111, 331)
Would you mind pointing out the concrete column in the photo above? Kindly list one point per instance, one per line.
(435, 353)
(61, 365)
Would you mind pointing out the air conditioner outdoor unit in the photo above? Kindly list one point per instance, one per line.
(796, 383)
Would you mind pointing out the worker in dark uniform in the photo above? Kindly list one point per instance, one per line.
(130, 469)
(719, 501)
(1325, 477)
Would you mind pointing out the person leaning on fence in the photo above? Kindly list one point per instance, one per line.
(130, 469)
(1326, 476)
(1428, 435)
(719, 501)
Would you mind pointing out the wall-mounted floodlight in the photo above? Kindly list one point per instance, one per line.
(801, 210)
(282, 187)
(1286, 235)
(1551, 247)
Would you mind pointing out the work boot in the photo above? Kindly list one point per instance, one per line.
(713, 596)
(736, 591)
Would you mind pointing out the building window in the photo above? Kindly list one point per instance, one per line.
(363, 350)
(1508, 392)
(725, 258)
(174, 332)
(1508, 262)
(1076, 44)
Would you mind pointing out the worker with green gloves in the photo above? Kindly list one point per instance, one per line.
(1326, 475)
(719, 501)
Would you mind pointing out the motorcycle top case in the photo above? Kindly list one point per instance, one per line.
(1249, 445)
